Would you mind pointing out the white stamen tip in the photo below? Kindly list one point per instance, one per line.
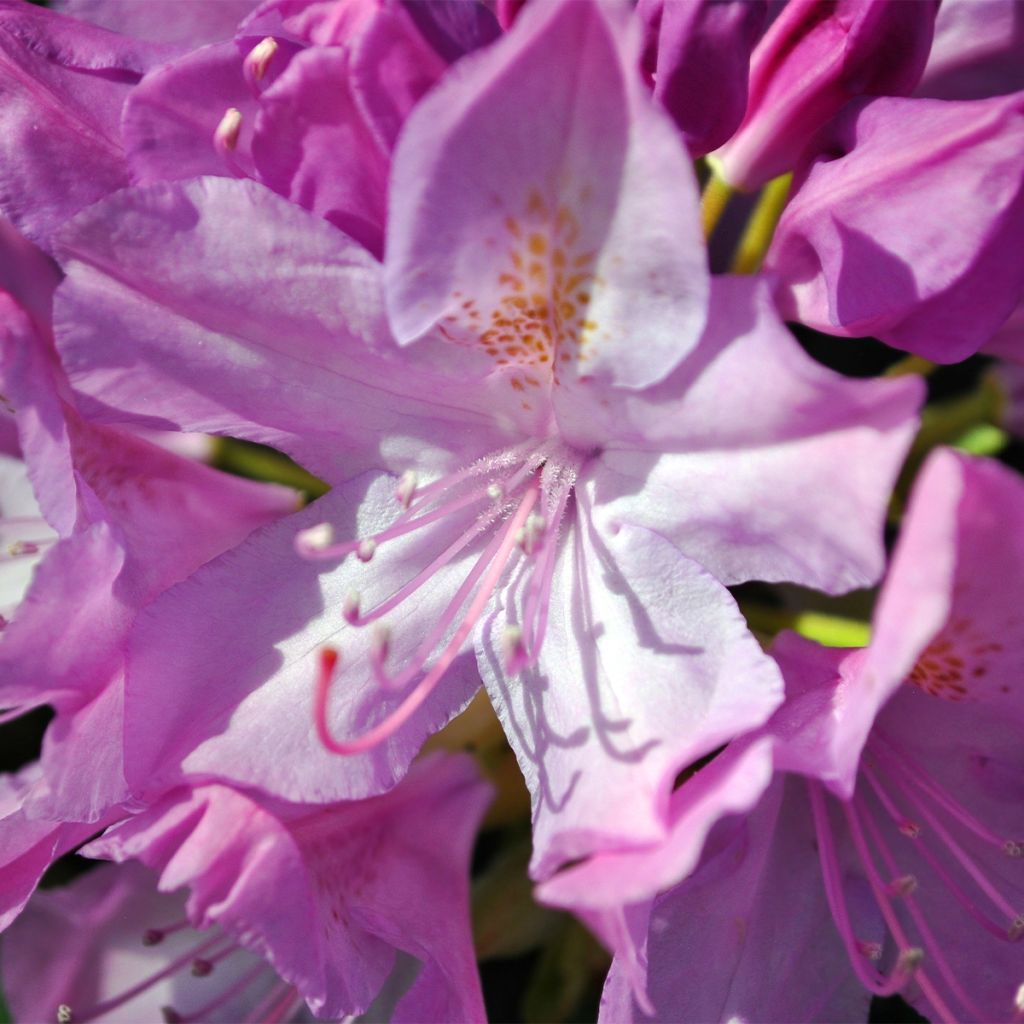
(1016, 929)
(871, 950)
(1018, 999)
(64, 1015)
(366, 549)
(350, 607)
(406, 489)
(226, 134)
(511, 646)
(495, 492)
(910, 959)
(903, 886)
(910, 829)
(1013, 848)
(316, 538)
(260, 57)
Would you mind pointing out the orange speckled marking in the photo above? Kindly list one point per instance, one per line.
(959, 657)
(536, 318)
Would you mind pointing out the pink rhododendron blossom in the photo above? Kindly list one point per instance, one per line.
(909, 810)
(62, 86)
(308, 99)
(110, 935)
(545, 363)
(328, 893)
(814, 59)
(859, 250)
(698, 57)
(133, 519)
(182, 23)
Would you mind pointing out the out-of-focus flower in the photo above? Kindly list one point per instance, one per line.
(326, 894)
(811, 62)
(910, 806)
(697, 56)
(860, 249)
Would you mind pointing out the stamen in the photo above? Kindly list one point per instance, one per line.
(904, 886)
(1018, 1000)
(154, 936)
(495, 492)
(872, 950)
(225, 135)
(910, 956)
(315, 539)
(350, 608)
(64, 1015)
(204, 1012)
(406, 489)
(935, 949)
(255, 65)
(366, 549)
(101, 1009)
(871, 980)
(495, 562)
(996, 928)
(905, 767)
(512, 650)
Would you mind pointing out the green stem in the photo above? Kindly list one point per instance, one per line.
(753, 247)
(830, 630)
(714, 201)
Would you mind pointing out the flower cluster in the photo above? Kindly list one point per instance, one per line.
(369, 365)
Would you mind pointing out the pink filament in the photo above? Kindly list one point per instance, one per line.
(128, 995)
(242, 983)
(871, 980)
(428, 683)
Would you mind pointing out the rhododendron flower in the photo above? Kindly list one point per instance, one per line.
(567, 400)
(859, 251)
(133, 518)
(326, 894)
(811, 62)
(909, 810)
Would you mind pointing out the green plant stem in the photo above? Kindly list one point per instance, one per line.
(753, 247)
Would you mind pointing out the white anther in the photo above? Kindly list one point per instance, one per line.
(225, 135)
(64, 1015)
(1018, 999)
(22, 547)
(316, 538)
(903, 886)
(511, 645)
(872, 950)
(406, 489)
(350, 607)
(910, 959)
(260, 57)
(366, 549)
(495, 492)
(529, 536)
